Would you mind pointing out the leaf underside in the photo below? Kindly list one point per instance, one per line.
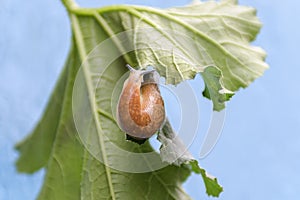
(211, 39)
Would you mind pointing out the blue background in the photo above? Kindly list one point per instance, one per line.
(257, 156)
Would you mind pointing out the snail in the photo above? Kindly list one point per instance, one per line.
(140, 109)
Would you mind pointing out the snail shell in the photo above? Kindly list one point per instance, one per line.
(140, 110)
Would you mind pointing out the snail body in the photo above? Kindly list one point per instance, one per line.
(140, 109)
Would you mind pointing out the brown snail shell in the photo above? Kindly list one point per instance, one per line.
(140, 110)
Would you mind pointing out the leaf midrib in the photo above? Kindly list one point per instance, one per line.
(248, 22)
(86, 72)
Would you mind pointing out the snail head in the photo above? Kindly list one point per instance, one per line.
(144, 76)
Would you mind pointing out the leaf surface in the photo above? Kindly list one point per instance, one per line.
(78, 140)
(63, 176)
(181, 42)
(114, 168)
(173, 151)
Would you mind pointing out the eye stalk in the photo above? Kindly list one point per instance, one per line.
(130, 68)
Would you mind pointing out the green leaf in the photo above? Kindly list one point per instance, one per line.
(213, 88)
(84, 151)
(213, 188)
(104, 140)
(173, 151)
(231, 27)
(161, 184)
(63, 177)
(181, 42)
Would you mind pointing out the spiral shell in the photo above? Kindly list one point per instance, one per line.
(140, 109)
